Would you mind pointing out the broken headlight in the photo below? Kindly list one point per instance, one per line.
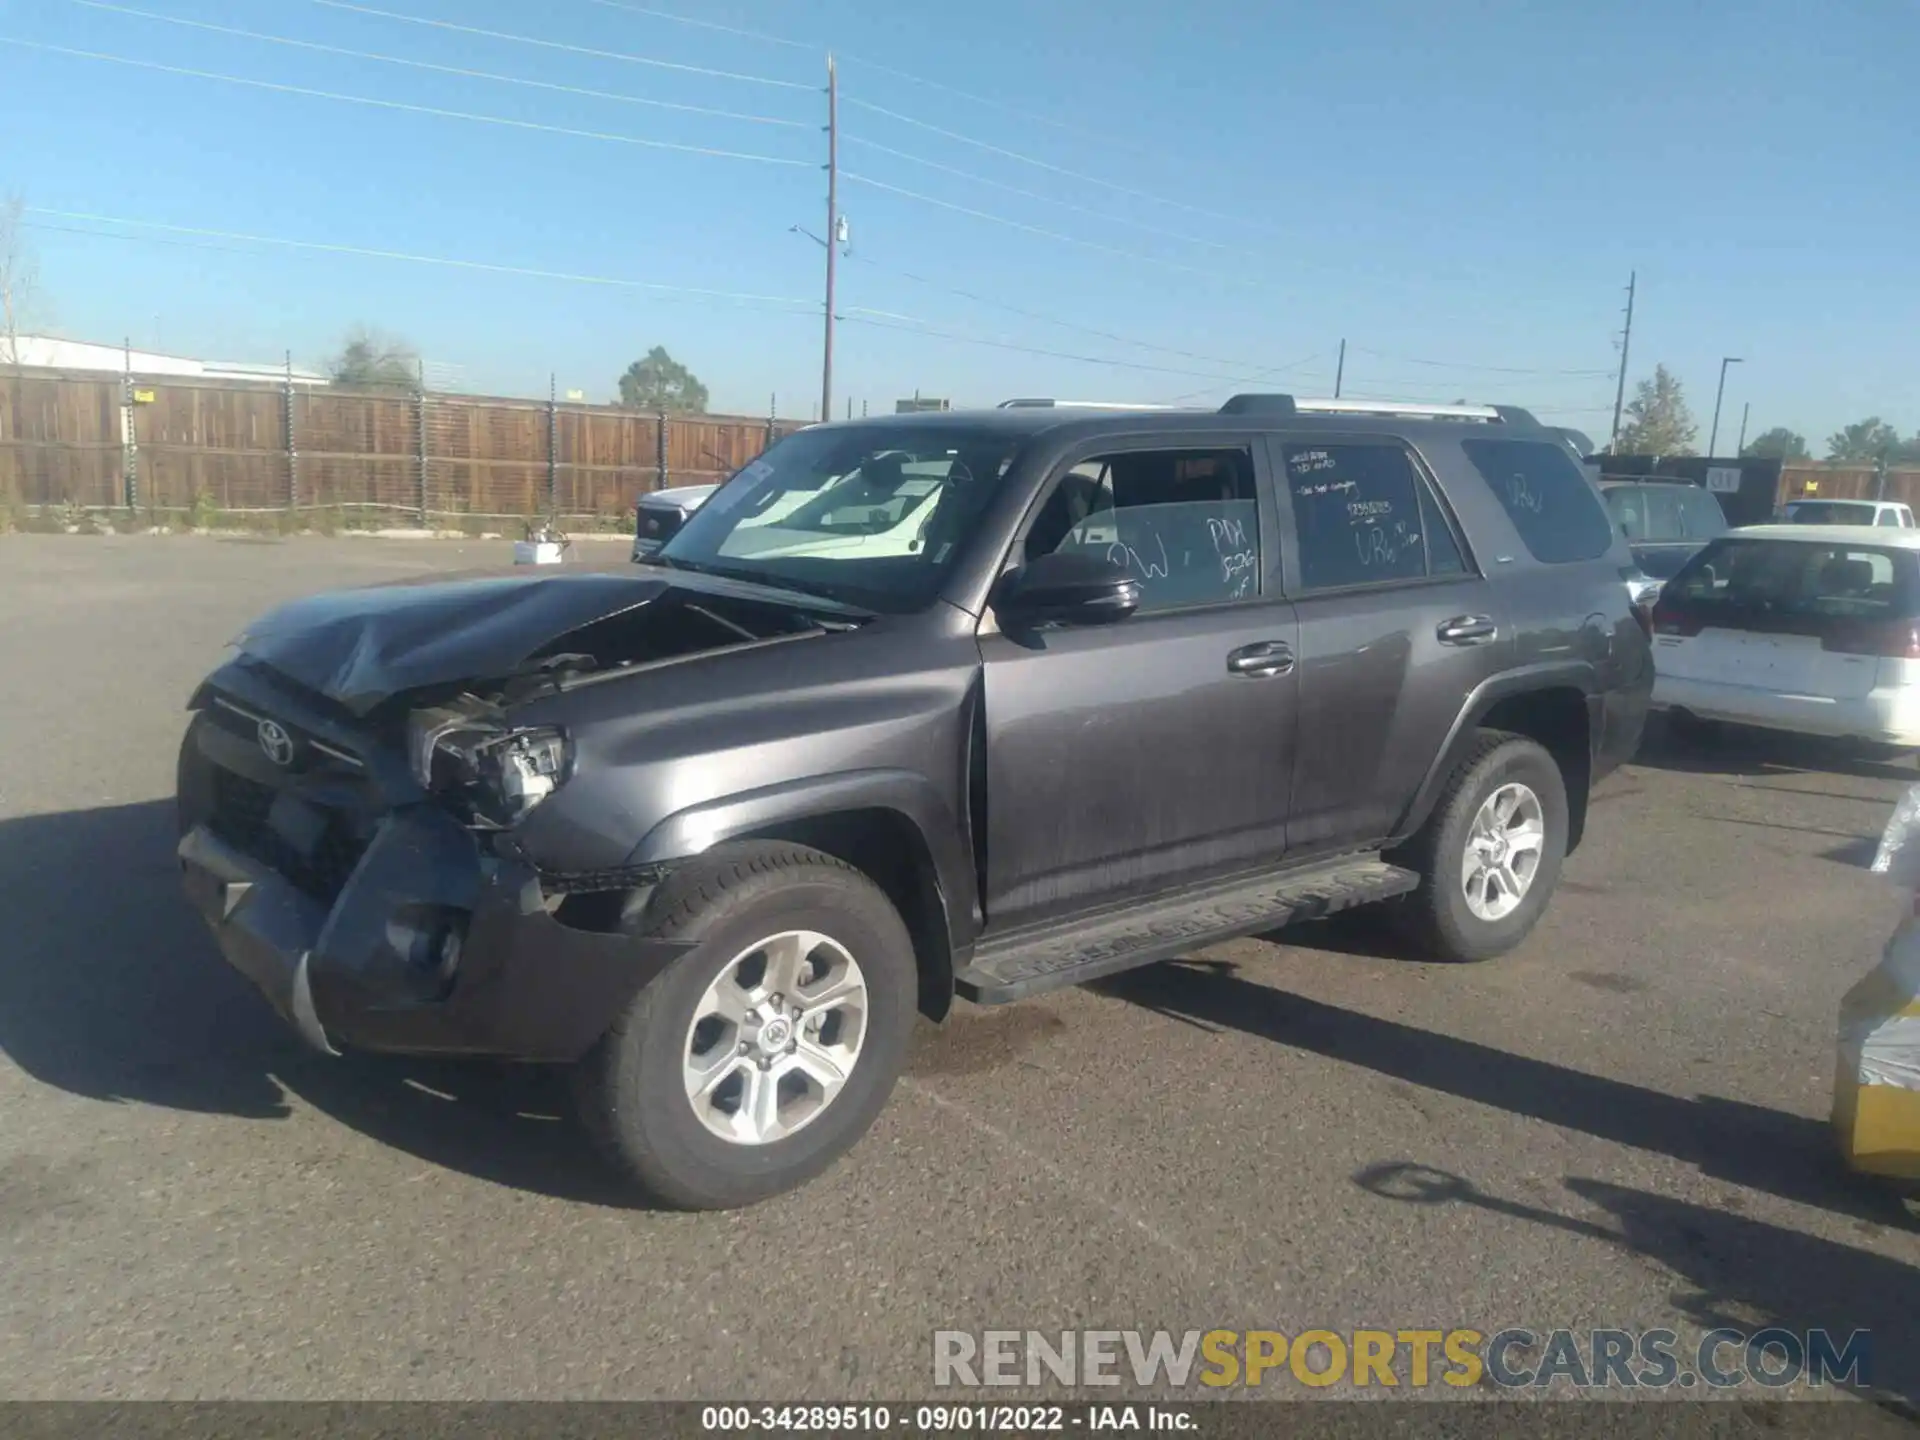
(498, 773)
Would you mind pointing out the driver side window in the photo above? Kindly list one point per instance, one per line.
(1185, 523)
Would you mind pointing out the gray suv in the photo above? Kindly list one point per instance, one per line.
(917, 707)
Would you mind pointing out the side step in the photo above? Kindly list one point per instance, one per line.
(1086, 948)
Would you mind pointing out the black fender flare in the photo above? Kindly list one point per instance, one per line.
(1546, 675)
(698, 828)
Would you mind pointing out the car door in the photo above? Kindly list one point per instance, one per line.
(1396, 628)
(1138, 755)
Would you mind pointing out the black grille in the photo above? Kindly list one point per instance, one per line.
(241, 816)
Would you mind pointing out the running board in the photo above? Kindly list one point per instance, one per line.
(1074, 952)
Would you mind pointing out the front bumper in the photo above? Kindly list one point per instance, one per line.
(525, 987)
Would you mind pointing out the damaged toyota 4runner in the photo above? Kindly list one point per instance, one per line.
(975, 704)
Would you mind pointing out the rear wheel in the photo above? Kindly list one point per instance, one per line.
(1490, 855)
(758, 1058)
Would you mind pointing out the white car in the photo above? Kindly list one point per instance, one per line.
(1888, 513)
(1813, 629)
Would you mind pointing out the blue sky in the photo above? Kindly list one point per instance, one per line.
(1205, 191)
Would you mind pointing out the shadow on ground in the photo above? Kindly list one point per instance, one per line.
(1733, 1271)
(1746, 1145)
(112, 988)
(1736, 750)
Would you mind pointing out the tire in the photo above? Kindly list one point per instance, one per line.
(1440, 917)
(632, 1088)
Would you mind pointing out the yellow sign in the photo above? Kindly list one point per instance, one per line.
(143, 397)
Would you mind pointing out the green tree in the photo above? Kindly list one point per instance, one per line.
(661, 383)
(1864, 441)
(1658, 421)
(1778, 443)
(371, 361)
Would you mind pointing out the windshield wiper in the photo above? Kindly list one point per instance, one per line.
(764, 581)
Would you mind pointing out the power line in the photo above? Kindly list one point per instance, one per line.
(1036, 229)
(433, 110)
(441, 69)
(706, 24)
(769, 39)
(1491, 369)
(203, 232)
(1107, 216)
(979, 299)
(918, 327)
(1239, 221)
(562, 45)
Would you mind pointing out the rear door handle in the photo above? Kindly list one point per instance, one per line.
(1268, 657)
(1467, 630)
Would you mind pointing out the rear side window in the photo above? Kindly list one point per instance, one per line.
(1551, 502)
(1363, 517)
(1788, 578)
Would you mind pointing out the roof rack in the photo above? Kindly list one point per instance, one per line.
(1289, 405)
(1047, 404)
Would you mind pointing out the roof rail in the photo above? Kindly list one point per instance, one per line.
(1289, 405)
(1048, 404)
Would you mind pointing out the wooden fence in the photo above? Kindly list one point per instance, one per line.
(173, 445)
(1811, 480)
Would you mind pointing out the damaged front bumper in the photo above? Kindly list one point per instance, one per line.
(430, 947)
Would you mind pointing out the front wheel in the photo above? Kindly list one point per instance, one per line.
(1490, 855)
(762, 1055)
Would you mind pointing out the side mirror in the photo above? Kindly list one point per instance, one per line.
(1067, 588)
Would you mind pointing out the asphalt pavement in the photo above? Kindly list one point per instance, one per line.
(1627, 1116)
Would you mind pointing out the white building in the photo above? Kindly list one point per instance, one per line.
(46, 352)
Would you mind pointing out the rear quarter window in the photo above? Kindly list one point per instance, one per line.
(1550, 500)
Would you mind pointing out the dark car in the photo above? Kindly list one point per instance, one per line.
(711, 831)
(1666, 522)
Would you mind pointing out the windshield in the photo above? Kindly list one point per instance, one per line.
(868, 515)
(1830, 512)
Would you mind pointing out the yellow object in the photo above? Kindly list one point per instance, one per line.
(1876, 1093)
(143, 397)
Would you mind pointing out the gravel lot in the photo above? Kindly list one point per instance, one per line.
(193, 1205)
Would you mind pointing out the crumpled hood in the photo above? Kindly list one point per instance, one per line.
(359, 647)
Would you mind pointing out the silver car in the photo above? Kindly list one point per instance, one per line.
(661, 513)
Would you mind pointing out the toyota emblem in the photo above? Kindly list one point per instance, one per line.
(275, 743)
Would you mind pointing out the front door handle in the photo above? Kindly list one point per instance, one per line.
(1269, 657)
(1468, 630)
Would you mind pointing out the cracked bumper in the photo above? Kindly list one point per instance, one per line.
(351, 974)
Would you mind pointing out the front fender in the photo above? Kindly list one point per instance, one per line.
(699, 828)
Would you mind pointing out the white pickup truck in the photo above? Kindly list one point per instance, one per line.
(1845, 512)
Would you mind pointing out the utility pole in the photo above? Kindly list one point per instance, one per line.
(1340, 369)
(1620, 390)
(1740, 445)
(833, 223)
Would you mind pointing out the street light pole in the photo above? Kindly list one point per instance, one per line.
(1718, 396)
(1740, 445)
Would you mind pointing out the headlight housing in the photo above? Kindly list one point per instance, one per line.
(496, 772)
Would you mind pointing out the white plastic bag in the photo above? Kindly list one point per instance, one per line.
(1899, 855)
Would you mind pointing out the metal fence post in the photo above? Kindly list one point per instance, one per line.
(293, 448)
(553, 447)
(129, 443)
(420, 438)
(660, 451)
(773, 413)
